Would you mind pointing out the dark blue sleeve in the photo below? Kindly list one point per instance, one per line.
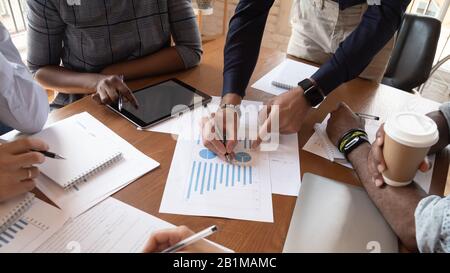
(243, 44)
(377, 27)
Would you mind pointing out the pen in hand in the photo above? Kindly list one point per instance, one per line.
(50, 154)
(191, 240)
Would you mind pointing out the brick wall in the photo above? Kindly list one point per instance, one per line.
(277, 30)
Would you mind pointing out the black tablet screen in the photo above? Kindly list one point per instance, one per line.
(160, 101)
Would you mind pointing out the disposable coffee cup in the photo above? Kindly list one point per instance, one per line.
(409, 136)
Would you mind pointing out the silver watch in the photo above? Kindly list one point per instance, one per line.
(236, 108)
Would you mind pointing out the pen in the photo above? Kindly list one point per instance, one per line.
(367, 116)
(227, 155)
(50, 154)
(120, 102)
(190, 240)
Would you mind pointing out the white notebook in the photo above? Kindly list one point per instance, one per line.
(12, 210)
(85, 154)
(291, 73)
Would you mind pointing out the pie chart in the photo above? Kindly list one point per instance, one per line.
(207, 154)
(243, 157)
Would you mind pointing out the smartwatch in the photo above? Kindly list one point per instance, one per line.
(312, 93)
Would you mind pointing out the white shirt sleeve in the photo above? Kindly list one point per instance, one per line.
(433, 224)
(23, 103)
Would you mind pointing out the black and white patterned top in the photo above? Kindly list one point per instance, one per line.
(89, 35)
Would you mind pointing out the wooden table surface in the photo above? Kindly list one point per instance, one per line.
(242, 236)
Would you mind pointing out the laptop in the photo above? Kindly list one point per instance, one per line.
(333, 217)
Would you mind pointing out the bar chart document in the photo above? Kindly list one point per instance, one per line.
(199, 183)
(37, 225)
(284, 161)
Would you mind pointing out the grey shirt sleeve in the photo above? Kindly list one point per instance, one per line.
(45, 34)
(432, 218)
(185, 33)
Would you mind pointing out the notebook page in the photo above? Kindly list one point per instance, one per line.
(80, 198)
(13, 209)
(83, 152)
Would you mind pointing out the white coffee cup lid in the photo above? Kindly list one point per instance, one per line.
(412, 129)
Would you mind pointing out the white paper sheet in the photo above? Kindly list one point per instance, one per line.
(78, 199)
(201, 184)
(320, 144)
(110, 227)
(284, 162)
(38, 224)
(289, 72)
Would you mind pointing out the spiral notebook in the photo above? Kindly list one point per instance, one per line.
(85, 154)
(12, 210)
(290, 73)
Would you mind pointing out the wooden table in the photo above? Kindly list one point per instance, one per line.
(242, 236)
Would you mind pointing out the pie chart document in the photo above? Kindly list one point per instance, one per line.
(202, 184)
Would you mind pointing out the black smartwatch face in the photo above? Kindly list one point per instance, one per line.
(312, 93)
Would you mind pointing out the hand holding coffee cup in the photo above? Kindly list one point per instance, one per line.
(396, 157)
(377, 165)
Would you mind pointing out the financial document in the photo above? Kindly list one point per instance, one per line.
(199, 183)
(284, 162)
(110, 227)
(37, 225)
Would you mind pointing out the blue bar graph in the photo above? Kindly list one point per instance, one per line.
(228, 169)
(209, 176)
(245, 175)
(198, 175)
(192, 178)
(215, 176)
(9, 235)
(232, 177)
(239, 173)
(221, 173)
(204, 177)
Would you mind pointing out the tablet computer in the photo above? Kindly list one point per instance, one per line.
(160, 102)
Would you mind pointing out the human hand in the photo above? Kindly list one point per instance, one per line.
(225, 122)
(110, 87)
(17, 172)
(166, 238)
(292, 109)
(376, 162)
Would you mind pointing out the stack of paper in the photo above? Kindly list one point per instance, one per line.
(36, 226)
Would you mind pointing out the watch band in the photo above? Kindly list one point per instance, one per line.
(236, 108)
(351, 140)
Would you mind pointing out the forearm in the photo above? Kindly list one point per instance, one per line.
(397, 204)
(164, 61)
(444, 138)
(243, 44)
(67, 81)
